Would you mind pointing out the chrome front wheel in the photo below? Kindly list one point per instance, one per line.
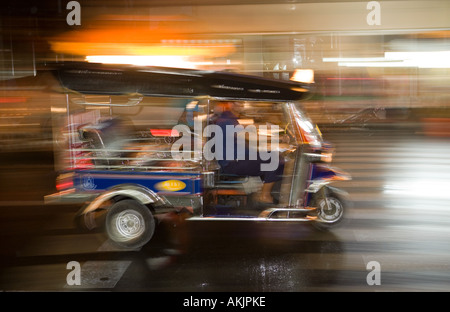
(330, 209)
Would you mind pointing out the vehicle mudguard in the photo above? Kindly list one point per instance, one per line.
(139, 193)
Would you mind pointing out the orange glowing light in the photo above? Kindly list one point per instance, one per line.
(303, 75)
(177, 61)
(128, 41)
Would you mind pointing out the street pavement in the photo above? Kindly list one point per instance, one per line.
(394, 238)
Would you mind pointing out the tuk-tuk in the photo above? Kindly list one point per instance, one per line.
(137, 143)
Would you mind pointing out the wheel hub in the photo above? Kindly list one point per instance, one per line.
(330, 209)
(130, 224)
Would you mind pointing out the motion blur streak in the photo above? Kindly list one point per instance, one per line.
(381, 96)
(146, 60)
(128, 40)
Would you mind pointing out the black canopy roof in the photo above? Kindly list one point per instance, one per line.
(90, 78)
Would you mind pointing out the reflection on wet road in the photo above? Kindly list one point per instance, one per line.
(400, 219)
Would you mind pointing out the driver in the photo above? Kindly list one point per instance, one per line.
(228, 115)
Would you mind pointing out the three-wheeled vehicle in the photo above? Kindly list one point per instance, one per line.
(134, 144)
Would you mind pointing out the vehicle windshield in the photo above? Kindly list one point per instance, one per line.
(306, 131)
(270, 121)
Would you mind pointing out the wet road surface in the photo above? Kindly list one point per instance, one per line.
(395, 236)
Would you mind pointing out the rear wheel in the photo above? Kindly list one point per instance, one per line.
(129, 224)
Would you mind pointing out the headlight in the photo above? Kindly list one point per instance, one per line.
(327, 157)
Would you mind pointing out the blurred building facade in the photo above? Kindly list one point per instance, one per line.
(348, 44)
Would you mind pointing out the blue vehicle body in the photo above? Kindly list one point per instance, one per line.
(136, 180)
(161, 183)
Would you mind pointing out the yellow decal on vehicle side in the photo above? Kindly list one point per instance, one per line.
(170, 185)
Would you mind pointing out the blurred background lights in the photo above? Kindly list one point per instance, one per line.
(303, 75)
(164, 41)
(421, 59)
(178, 61)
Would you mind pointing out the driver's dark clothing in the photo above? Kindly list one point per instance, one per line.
(246, 167)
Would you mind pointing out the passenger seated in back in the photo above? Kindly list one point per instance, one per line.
(107, 137)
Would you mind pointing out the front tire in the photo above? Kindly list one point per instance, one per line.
(129, 224)
(330, 210)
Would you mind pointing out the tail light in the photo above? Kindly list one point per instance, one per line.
(64, 182)
(164, 132)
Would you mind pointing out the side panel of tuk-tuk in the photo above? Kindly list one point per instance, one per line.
(161, 183)
(96, 152)
(162, 190)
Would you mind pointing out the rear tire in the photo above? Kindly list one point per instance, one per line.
(129, 224)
